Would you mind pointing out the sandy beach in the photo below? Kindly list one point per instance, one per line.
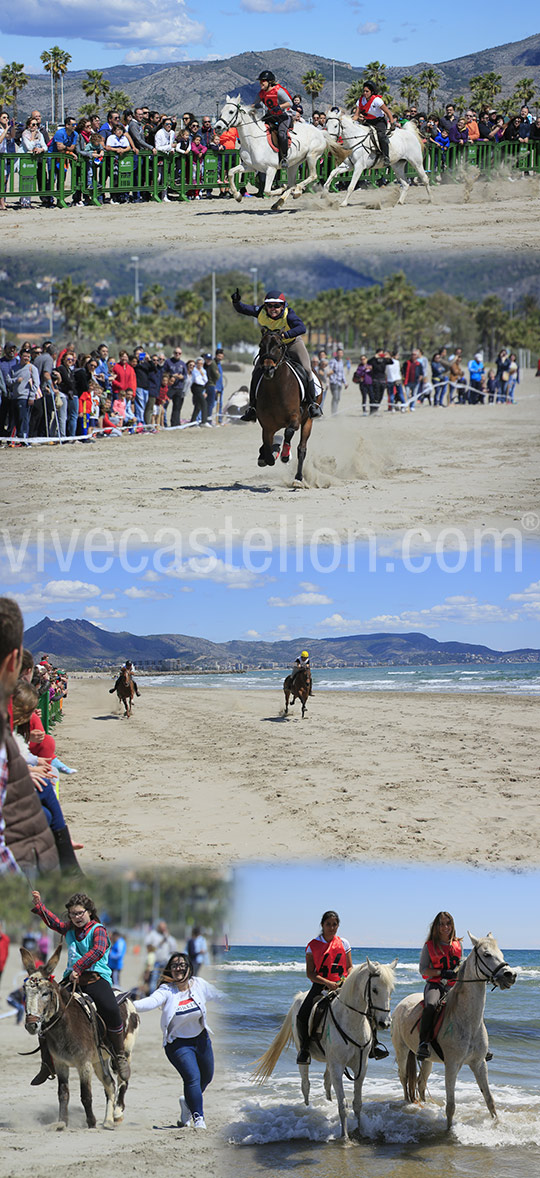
(466, 467)
(148, 1138)
(217, 776)
(455, 220)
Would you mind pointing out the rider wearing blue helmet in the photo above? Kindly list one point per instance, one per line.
(275, 315)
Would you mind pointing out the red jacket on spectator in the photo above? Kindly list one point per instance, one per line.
(123, 378)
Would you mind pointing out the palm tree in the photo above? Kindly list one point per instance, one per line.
(484, 88)
(55, 62)
(154, 299)
(429, 80)
(95, 85)
(375, 71)
(190, 307)
(313, 83)
(14, 79)
(6, 97)
(353, 94)
(119, 100)
(75, 302)
(409, 89)
(523, 91)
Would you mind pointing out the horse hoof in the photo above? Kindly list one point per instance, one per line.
(285, 453)
(108, 1125)
(297, 485)
(60, 1126)
(261, 461)
(278, 205)
(270, 461)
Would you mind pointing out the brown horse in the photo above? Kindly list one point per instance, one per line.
(299, 687)
(55, 1013)
(125, 690)
(279, 404)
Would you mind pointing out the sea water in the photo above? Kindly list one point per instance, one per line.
(271, 1128)
(509, 678)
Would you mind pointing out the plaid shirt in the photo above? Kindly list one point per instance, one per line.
(101, 940)
(7, 862)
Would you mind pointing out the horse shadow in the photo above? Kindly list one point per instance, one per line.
(109, 716)
(274, 719)
(266, 490)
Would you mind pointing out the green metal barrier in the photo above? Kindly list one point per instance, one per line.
(137, 177)
(44, 708)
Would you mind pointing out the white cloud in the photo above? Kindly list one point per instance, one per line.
(275, 6)
(300, 599)
(151, 575)
(460, 609)
(530, 594)
(204, 568)
(370, 26)
(160, 23)
(338, 622)
(108, 596)
(97, 614)
(137, 594)
(252, 634)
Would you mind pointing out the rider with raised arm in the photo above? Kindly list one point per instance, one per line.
(88, 946)
(372, 110)
(439, 963)
(274, 315)
(278, 103)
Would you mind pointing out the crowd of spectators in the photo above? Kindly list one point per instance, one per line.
(146, 133)
(445, 380)
(54, 392)
(34, 837)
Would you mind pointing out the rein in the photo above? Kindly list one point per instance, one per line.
(367, 1013)
(57, 1017)
(359, 141)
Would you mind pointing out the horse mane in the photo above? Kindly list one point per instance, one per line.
(340, 152)
(411, 126)
(385, 972)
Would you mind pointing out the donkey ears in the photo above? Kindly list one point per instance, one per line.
(28, 961)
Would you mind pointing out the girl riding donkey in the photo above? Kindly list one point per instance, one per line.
(274, 315)
(87, 965)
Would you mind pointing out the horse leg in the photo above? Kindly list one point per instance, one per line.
(450, 1076)
(286, 713)
(359, 167)
(302, 448)
(62, 1073)
(303, 698)
(402, 1054)
(105, 1075)
(357, 1097)
(327, 1080)
(342, 167)
(286, 447)
(120, 1104)
(267, 448)
(303, 1068)
(337, 1082)
(312, 160)
(85, 1079)
(399, 171)
(232, 186)
(424, 1073)
(480, 1073)
(422, 176)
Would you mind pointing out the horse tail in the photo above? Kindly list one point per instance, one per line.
(267, 1062)
(337, 149)
(410, 126)
(411, 1079)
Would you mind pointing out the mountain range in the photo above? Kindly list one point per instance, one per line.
(201, 86)
(76, 643)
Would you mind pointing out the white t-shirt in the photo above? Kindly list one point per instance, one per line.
(393, 372)
(375, 110)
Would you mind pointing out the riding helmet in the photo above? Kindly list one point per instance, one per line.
(304, 654)
(275, 297)
(267, 76)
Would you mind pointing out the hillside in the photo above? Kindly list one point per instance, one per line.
(202, 86)
(78, 643)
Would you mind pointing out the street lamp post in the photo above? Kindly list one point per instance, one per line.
(254, 270)
(511, 300)
(333, 83)
(213, 312)
(137, 292)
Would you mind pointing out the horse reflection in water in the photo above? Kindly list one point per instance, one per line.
(279, 404)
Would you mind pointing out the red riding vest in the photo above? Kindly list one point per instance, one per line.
(329, 958)
(364, 105)
(270, 96)
(444, 957)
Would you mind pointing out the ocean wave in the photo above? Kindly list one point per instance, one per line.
(264, 967)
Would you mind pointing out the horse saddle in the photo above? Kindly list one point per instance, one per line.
(318, 1017)
(302, 376)
(272, 137)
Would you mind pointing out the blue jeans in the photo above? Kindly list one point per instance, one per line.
(141, 401)
(210, 400)
(52, 807)
(72, 416)
(194, 1060)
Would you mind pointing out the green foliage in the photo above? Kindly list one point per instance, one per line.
(14, 79)
(375, 71)
(75, 302)
(429, 80)
(409, 88)
(95, 85)
(119, 100)
(313, 83)
(524, 91)
(55, 62)
(484, 88)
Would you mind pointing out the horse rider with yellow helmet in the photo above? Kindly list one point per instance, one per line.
(372, 110)
(303, 664)
(278, 103)
(275, 315)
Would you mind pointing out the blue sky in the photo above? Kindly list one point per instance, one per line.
(169, 30)
(282, 905)
(224, 596)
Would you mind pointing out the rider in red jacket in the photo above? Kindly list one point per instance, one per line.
(278, 103)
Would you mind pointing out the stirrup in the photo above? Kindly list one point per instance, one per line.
(250, 414)
(378, 1051)
(423, 1050)
(303, 1056)
(314, 409)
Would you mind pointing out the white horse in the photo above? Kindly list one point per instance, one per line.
(307, 143)
(463, 1037)
(362, 1003)
(359, 145)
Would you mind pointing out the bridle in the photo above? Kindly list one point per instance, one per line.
(273, 365)
(491, 974)
(360, 140)
(368, 1013)
(58, 1014)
